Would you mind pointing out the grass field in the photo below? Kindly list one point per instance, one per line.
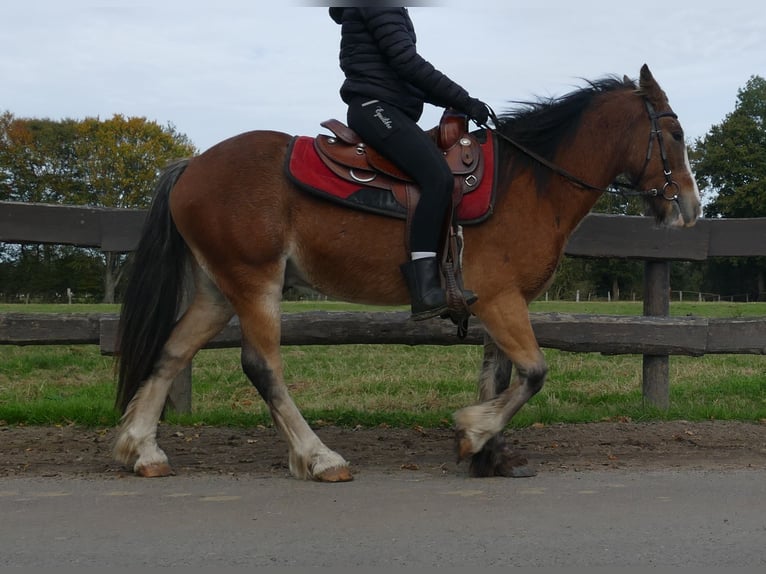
(704, 309)
(395, 385)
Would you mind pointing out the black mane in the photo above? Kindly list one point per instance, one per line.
(545, 125)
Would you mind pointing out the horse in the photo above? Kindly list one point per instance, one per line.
(230, 223)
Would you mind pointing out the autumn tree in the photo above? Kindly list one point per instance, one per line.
(35, 167)
(106, 163)
(36, 160)
(120, 160)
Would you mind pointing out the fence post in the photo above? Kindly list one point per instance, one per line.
(656, 368)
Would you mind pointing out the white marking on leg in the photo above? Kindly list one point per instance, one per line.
(138, 430)
(308, 455)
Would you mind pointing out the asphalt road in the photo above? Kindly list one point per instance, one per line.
(625, 518)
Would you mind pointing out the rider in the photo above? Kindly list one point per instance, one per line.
(386, 85)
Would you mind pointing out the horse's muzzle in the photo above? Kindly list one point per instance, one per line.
(689, 209)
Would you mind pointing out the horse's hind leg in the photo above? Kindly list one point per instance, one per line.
(207, 314)
(259, 316)
(496, 458)
(309, 458)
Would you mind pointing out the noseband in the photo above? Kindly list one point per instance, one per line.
(669, 190)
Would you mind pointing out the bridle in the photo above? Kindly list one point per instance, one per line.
(669, 190)
(656, 132)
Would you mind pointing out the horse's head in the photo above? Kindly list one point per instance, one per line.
(671, 192)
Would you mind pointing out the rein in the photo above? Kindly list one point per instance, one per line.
(625, 190)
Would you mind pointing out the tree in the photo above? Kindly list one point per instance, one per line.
(120, 159)
(730, 161)
(36, 160)
(107, 163)
(730, 166)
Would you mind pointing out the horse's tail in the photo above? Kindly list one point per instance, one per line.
(154, 290)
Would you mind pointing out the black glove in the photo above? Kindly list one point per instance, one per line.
(478, 111)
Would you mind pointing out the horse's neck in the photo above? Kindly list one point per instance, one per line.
(597, 155)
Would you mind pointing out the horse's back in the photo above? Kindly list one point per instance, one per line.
(233, 193)
(236, 160)
(244, 150)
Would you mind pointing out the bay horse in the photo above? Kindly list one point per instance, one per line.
(232, 221)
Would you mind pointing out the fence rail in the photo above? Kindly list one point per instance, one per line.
(654, 335)
(608, 334)
(598, 235)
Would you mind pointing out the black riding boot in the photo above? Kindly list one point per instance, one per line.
(426, 294)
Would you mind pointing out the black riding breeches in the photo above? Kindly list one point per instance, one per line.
(395, 135)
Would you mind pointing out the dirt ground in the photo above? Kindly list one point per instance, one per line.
(259, 452)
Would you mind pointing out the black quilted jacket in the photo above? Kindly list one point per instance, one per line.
(380, 61)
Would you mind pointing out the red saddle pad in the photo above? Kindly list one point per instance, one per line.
(305, 168)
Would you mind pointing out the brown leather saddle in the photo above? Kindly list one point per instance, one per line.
(348, 157)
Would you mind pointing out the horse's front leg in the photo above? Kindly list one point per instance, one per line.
(496, 458)
(507, 322)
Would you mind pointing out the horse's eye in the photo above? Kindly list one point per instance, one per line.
(678, 135)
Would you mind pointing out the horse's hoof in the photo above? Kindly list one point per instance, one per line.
(154, 470)
(499, 459)
(516, 471)
(513, 465)
(337, 474)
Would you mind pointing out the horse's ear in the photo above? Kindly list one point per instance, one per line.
(646, 76)
(627, 81)
(650, 88)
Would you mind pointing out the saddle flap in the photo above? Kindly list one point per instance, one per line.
(348, 150)
(379, 162)
(340, 152)
(350, 162)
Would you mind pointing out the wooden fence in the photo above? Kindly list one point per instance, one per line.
(655, 335)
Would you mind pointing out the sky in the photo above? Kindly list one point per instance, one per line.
(214, 69)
